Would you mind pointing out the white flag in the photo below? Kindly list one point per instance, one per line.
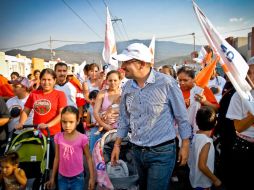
(201, 55)
(231, 61)
(152, 49)
(109, 48)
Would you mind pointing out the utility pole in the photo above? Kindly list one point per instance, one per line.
(194, 43)
(51, 50)
(114, 20)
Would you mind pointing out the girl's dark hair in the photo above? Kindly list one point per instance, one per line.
(71, 109)
(29, 75)
(93, 94)
(111, 72)
(187, 70)
(86, 68)
(206, 118)
(15, 73)
(37, 71)
(48, 71)
(11, 157)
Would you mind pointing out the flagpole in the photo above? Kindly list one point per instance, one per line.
(249, 81)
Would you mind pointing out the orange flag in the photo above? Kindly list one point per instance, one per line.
(207, 59)
(205, 74)
(5, 87)
(76, 83)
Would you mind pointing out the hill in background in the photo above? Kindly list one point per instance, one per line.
(166, 52)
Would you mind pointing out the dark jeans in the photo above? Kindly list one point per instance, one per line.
(155, 165)
(242, 160)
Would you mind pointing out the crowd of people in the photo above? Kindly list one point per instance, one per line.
(170, 120)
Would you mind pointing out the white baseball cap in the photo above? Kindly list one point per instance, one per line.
(135, 51)
(23, 81)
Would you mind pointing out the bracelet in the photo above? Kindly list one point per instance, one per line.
(117, 145)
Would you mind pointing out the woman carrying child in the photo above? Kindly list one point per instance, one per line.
(107, 102)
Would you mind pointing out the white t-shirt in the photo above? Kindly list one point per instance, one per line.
(15, 102)
(238, 110)
(197, 178)
(70, 93)
(216, 85)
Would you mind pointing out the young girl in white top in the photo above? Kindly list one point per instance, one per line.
(201, 159)
(70, 146)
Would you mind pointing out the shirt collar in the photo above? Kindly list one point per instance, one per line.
(149, 80)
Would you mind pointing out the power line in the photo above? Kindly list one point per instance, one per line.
(237, 30)
(42, 42)
(73, 41)
(82, 20)
(26, 45)
(125, 30)
(97, 14)
(117, 28)
(69, 41)
(176, 36)
(104, 2)
(117, 19)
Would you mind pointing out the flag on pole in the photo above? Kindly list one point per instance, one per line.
(231, 61)
(207, 59)
(109, 48)
(152, 49)
(201, 55)
(204, 57)
(203, 77)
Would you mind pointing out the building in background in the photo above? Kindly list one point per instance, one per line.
(251, 43)
(244, 45)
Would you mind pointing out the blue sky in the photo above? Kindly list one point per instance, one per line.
(30, 21)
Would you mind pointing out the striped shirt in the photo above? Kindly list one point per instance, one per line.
(150, 111)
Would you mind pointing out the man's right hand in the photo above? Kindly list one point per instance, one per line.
(115, 154)
(19, 126)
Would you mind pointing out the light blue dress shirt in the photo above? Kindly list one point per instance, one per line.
(150, 112)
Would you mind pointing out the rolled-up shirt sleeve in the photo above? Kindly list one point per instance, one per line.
(179, 110)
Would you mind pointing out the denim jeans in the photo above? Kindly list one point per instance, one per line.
(155, 166)
(71, 183)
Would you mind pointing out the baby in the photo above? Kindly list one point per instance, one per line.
(110, 116)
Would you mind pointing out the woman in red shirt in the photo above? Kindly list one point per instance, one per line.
(186, 78)
(46, 103)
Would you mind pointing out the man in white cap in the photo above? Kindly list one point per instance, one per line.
(150, 104)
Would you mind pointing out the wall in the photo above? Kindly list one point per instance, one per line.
(37, 63)
(4, 69)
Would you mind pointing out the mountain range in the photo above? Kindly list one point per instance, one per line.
(166, 52)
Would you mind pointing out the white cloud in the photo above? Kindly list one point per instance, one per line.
(236, 19)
